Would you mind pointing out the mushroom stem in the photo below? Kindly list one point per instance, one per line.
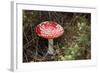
(50, 46)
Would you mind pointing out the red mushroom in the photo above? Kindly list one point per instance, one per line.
(49, 30)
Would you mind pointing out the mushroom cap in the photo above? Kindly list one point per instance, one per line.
(49, 30)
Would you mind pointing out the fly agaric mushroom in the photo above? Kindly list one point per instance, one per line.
(49, 30)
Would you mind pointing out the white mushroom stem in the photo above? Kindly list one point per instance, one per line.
(50, 47)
